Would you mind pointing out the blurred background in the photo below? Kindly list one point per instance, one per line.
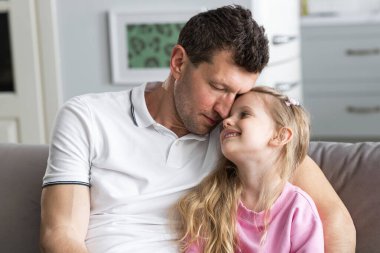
(325, 53)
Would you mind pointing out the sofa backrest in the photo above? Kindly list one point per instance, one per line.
(352, 169)
(22, 168)
(354, 172)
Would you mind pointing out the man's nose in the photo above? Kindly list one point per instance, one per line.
(224, 104)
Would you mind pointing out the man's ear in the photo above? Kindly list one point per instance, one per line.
(281, 137)
(177, 60)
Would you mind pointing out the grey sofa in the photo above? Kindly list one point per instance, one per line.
(353, 170)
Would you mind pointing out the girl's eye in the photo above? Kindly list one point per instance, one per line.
(244, 114)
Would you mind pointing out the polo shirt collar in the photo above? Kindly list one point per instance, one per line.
(141, 113)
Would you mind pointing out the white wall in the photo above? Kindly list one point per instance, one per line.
(83, 39)
(83, 36)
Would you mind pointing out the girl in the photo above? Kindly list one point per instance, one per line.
(247, 203)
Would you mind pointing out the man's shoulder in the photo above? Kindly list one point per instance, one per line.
(94, 101)
(103, 97)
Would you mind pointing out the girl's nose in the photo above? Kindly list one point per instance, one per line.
(227, 122)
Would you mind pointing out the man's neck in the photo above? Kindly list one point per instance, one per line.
(161, 106)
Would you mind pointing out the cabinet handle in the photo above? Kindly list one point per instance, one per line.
(363, 110)
(286, 86)
(363, 52)
(282, 39)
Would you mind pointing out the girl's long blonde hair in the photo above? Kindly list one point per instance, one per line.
(207, 214)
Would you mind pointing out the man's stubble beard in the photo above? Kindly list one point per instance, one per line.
(183, 109)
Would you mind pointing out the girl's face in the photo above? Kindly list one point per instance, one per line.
(248, 130)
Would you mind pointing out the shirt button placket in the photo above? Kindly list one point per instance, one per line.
(174, 156)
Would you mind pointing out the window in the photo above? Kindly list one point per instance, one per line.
(6, 70)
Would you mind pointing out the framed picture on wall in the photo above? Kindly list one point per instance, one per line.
(141, 44)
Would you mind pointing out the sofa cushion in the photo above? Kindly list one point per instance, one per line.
(354, 172)
(22, 168)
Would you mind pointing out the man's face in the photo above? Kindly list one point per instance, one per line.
(204, 95)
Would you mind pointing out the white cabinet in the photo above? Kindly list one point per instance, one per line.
(341, 73)
(351, 116)
(285, 77)
(282, 26)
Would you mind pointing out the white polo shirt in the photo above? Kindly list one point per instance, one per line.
(135, 167)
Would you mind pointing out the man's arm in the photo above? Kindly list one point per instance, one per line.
(338, 227)
(65, 211)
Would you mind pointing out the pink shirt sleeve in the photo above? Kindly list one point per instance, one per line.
(307, 231)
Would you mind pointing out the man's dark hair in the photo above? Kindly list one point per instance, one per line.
(226, 28)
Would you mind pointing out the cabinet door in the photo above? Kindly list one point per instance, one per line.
(281, 20)
(346, 117)
(348, 55)
(285, 77)
(21, 113)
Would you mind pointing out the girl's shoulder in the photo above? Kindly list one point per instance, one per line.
(299, 199)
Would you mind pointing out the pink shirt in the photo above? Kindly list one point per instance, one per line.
(294, 226)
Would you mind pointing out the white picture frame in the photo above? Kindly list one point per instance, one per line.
(126, 70)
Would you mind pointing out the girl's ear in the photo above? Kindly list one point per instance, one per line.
(282, 136)
(177, 60)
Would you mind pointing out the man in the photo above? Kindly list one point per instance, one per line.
(119, 161)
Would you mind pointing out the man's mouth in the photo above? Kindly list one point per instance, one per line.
(212, 121)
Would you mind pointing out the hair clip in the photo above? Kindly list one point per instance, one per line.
(292, 101)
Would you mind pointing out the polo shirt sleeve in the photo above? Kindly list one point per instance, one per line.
(307, 229)
(71, 145)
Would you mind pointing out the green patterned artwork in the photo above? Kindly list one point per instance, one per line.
(150, 45)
